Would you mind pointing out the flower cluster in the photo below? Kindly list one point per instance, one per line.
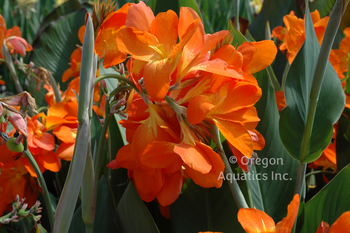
(188, 83)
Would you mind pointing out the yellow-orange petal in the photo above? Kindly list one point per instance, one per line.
(253, 221)
(342, 224)
(140, 17)
(164, 27)
(198, 109)
(237, 135)
(137, 43)
(157, 78)
(171, 189)
(65, 134)
(218, 66)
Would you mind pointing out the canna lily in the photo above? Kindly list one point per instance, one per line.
(13, 40)
(293, 35)
(256, 221)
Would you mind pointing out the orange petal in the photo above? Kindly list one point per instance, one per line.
(264, 56)
(2, 31)
(65, 151)
(210, 179)
(342, 224)
(50, 161)
(140, 17)
(171, 189)
(323, 228)
(194, 157)
(159, 154)
(198, 109)
(137, 43)
(237, 135)
(65, 134)
(242, 160)
(288, 221)
(253, 221)
(125, 158)
(218, 66)
(149, 184)
(157, 78)
(230, 55)
(53, 122)
(46, 142)
(164, 27)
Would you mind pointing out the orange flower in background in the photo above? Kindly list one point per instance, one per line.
(293, 35)
(12, 38)
(255, 221)
(342, 224)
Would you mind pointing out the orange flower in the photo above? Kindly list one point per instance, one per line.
(293, 35)
(280, 100)
(41, 144)
(255, 221)
(14, 179)
(13, 40)
(192, 80)
(342, 224)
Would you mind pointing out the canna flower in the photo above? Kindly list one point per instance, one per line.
(41, 144)
(187, 81)
(255, 221)
(293, 35)
(13, 40)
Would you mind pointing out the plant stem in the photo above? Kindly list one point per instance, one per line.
(300, 178)
(116, 76)
(11, 67)
(236, 2)
(234, 187)
(41, 182)
(55, 88)
(318, 172)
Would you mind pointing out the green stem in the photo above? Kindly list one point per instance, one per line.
(275, 83)
(318, 172)
(116, 76)
(234, 187)
(41, 181)
(300, 178)
(55, 88)
(11, 67)
(119, 89)
(284, 76)
(98, 157)
(237, 14)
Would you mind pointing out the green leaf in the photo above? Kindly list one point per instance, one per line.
(298, 85)
(279, 167)
(329, 203)
(272, 11)
(133, 216)
(175, 5)
(77, 224)
(205, 209)
(343, 140)
(53, 48)
(323, 6)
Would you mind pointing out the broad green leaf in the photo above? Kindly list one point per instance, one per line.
(272, 11)
(297, 93)
(205, 209)
(53, 48)
(323, 6)
(329, 203)
(133, 216)
(77, 224)
(63, 9)
(277, 166)
(343, 140)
